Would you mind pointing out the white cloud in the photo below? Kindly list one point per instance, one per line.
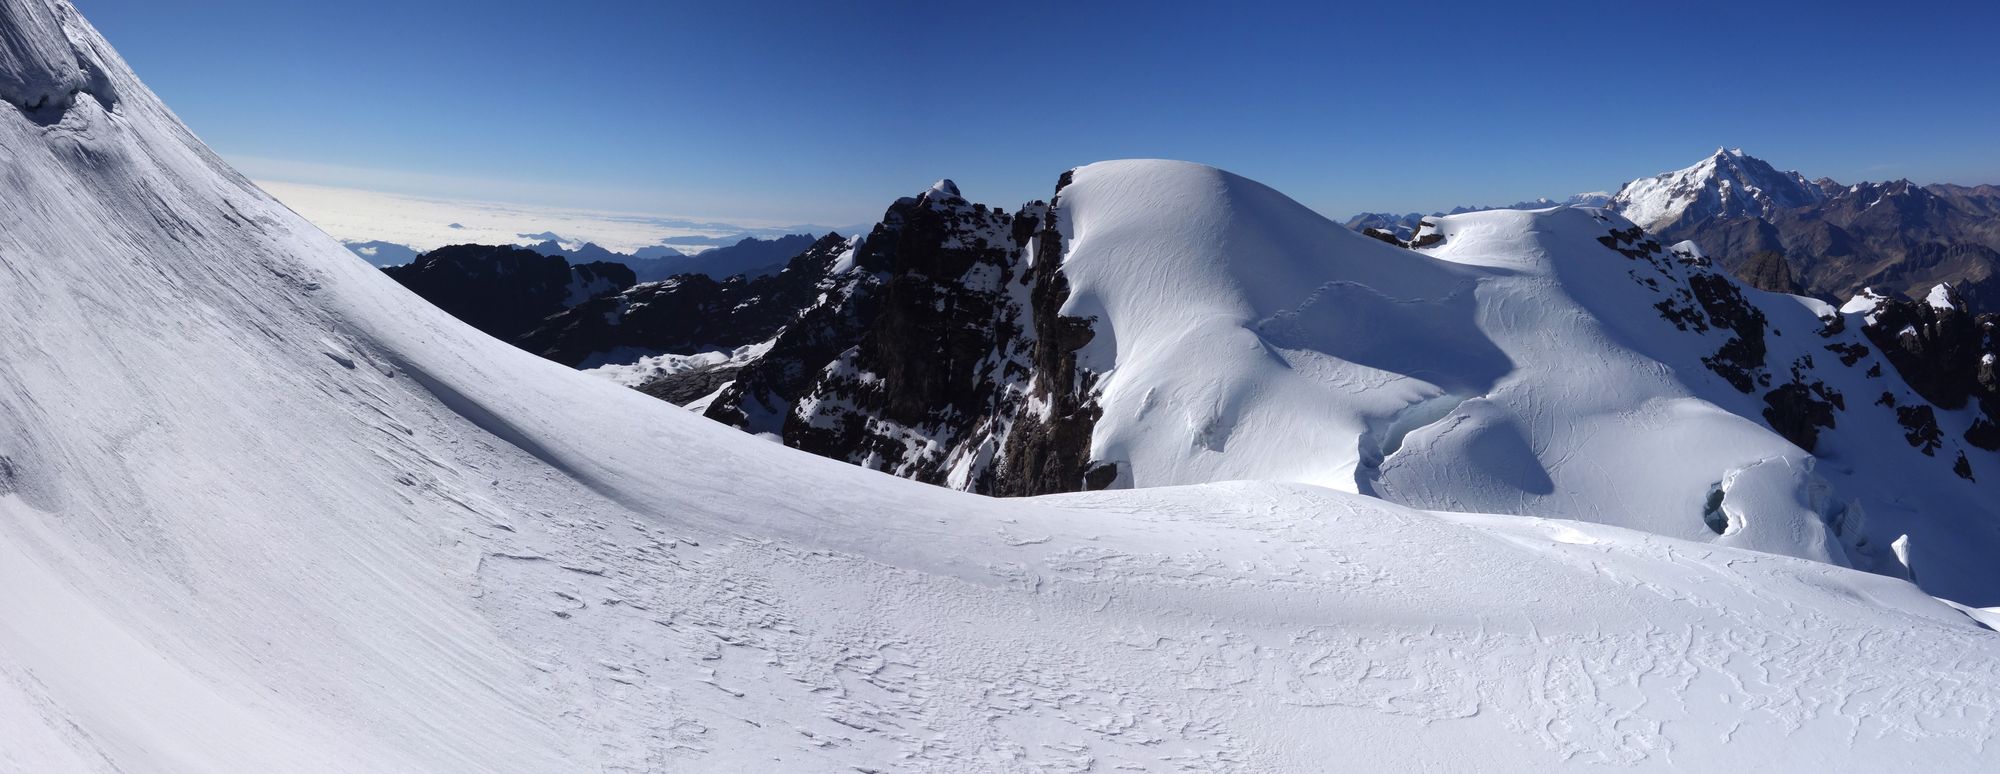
(425, 223)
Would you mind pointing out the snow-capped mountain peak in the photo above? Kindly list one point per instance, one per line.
(1943, 296)
(944, 190)
(1729, 183)
(1589, 199)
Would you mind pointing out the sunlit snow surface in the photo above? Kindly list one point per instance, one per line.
(1520, 366)
(261, 509)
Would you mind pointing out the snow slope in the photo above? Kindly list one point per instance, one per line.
(261, 509)
(1523, 365)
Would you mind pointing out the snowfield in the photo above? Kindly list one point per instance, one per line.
(1522, 365)
(261, 509)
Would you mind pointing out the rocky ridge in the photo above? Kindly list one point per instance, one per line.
(936, 352)
(506, 291)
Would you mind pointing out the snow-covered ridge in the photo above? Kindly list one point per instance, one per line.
(1555, 362)
(261, 509)
(43, 67)
(1778, 231)
(1942, 296)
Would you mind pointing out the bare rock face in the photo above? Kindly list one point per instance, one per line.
(686, 314)
(1946, 354)
(1767, 270)
(1798, 410)
(1050, 452)
(934, 348)
(687, 386)
(935, 352)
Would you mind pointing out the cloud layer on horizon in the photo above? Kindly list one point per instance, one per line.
(425, 223)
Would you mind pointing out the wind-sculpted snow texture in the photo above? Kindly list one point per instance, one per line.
(262, 509)
(44, 68)
(1556, 363)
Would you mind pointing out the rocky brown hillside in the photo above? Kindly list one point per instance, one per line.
(1822, 238)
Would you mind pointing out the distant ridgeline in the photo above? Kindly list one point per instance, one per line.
(1780, 231)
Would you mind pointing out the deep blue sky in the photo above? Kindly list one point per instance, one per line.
(824, 112)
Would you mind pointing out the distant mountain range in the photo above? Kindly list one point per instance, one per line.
(506, 290)
(589, 306)
(1779, 230)
(747, 255)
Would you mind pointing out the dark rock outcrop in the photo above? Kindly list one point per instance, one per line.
(1741, 358)
(927, 356)
(686, 314)
(750, 256)
(1984, 434)
(1946, 354)
(1050, 453)
(1938, 350)
(687, 386)
(1798, 413)
(505, 291)
(1697, 299)
(934, 348)
(1767, 270)
(1920, 427)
